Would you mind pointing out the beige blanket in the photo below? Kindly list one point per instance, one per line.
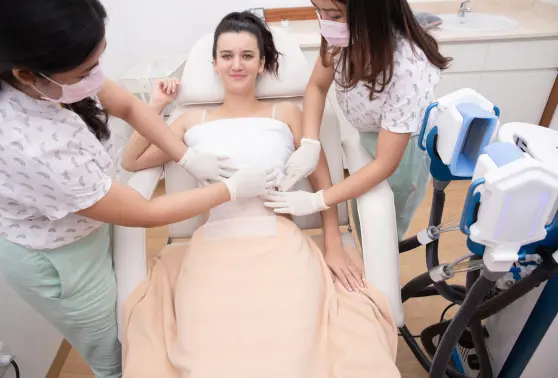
(254, 307)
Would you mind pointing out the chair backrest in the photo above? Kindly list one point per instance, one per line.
(202, 89)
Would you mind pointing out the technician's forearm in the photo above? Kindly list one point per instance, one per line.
(321, 180)
(185, 205)
(359, 183)
(313, 111)
(153, 128)
(124, 206)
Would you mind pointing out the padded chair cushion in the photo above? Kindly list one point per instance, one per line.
(200, 85)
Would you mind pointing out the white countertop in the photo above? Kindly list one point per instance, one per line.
(535, 20)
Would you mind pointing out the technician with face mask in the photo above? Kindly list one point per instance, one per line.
(57, 193)
(385, 68)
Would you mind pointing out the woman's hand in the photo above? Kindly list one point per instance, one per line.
(165, 92)
(343, 267)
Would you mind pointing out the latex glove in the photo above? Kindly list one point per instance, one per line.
(165, 92)
(301, 164)
(297, 203)
(206, 168)
(250, 183)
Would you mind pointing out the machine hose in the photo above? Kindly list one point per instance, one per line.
(427, 336)
(421, 357)
(409, 244)
(414, 286)
(431, 291)
(436, 212)
(477, 334)
(478, 292)
(485, 310)
(519, 289)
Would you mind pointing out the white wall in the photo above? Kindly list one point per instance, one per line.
(142, 28)
(21, 328)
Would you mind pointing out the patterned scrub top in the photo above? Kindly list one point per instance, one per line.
(51, 166)
(401, 107)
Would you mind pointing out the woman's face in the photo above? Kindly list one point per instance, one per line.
(330, 10)
(69, 77)
(238, 61)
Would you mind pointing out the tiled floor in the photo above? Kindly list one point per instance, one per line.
(418, 312)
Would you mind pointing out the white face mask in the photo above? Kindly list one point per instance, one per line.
(72, 93)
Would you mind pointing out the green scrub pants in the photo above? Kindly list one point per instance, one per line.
(74, 288)
(408, 182)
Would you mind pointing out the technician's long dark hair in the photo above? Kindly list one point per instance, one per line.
(54, 36)
(237, 22)
(373, 26)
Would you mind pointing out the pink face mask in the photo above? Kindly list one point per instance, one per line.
(71, 93)
(335, 33)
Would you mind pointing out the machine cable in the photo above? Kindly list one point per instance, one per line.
(421, 285)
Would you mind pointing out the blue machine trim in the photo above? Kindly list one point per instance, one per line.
(476, 248)
(468, 217)
(457, 361)
(503, 153)
(533, 332)
(424, 124)
(553, 226)
(515, 271)
(438, 169)
(474, 135)
(497, 111)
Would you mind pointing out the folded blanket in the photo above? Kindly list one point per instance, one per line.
(427, 20)
(254, 307)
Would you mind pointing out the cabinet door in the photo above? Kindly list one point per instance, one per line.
(467, 57)
(450, 82)
(520, 95)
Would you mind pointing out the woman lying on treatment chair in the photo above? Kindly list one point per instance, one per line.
(251, 296)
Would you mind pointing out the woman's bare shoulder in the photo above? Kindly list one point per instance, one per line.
(289, 113)
(287, 110)
(189, 119)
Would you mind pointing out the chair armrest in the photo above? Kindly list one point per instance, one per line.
(129, 244)
(380, 247)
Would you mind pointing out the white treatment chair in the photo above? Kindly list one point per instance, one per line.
(201, 88)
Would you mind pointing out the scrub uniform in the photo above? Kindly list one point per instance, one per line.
(399, 108)
(60, 263)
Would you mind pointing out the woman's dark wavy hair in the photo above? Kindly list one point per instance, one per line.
(237, 22)
(373, 26)
(54, 36)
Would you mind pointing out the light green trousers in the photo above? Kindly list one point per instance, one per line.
(74, 288)
(408, 183)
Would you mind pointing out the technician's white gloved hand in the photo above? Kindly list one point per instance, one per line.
(206, 168)
(301, 164)
(297, 203)
(250, 183)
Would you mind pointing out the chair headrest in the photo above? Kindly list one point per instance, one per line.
(200, 85)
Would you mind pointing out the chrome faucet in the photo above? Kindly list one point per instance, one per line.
(463, 8)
